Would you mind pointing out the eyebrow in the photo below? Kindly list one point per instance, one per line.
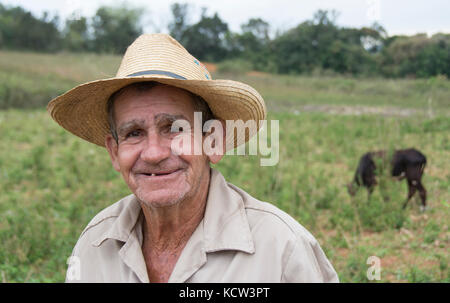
(140, 123)
(163, 117)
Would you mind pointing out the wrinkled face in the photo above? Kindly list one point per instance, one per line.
(143, 155)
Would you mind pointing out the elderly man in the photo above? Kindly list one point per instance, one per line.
(183, 222)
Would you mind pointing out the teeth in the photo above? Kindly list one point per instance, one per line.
(153, 175)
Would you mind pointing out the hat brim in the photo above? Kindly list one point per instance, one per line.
(83, 110)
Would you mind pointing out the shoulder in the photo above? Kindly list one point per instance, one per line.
(272, 217)
(102, 223)
(302, 256)
(108, 215)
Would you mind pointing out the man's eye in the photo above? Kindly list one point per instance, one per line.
(168, 129)
(177, 130)
(134, 133)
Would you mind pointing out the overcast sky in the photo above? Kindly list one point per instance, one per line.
(397, 16)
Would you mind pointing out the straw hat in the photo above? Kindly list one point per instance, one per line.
(155, 57)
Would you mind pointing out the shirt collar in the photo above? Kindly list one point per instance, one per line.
(225, 222)
(225, 225)
(127, 213)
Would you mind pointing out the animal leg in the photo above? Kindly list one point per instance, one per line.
(411, 192)
(369, 192)
(423, 195)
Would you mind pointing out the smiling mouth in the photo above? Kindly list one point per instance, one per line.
(154, 175)
(160, 174)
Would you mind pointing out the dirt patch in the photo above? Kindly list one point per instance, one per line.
(211, 67)
(343, 252)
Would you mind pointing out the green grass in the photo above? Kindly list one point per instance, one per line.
(283, 92)
(29, 80)
(53, 183)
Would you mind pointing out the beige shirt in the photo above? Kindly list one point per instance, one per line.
(240, 239)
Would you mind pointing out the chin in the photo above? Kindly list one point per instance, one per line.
(160, 198)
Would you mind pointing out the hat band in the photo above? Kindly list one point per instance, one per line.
(157, 72)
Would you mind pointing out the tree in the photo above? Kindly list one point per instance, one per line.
(320, 44)
(114, 28)
(258, 28)
(76, 35)
(178, 25)
(434, 59)
(307, 46)
(206, 39)
(398, 58)
(19, 29)
(417, 56)
(253, 44)
(294, 50)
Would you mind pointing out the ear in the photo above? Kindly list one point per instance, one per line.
(112, 148)
(215, 157)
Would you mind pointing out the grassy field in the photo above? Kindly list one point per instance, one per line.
(53, 183)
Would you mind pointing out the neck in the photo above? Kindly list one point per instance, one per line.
(169, 228)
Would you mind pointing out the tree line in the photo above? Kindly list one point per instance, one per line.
(318, 45)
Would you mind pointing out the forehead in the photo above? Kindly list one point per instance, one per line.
(133, 103)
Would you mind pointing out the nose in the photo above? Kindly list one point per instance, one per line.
(156, 149)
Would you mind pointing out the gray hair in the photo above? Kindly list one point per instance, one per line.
(200, 104)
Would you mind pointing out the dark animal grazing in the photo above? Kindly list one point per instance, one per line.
(405, 163)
